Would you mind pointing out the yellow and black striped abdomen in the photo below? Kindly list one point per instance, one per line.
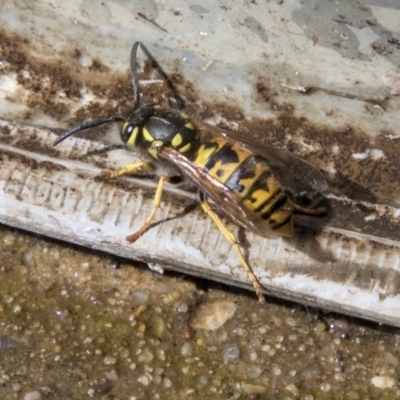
(251, 178)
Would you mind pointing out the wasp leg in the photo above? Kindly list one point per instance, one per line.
(127, 169)
(310, 211)
(234, 242)
(157, 201)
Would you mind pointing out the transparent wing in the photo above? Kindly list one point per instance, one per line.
(286, 165)
(227, 200)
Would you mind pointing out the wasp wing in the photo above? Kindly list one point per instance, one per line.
(228, 202)
(286, 165)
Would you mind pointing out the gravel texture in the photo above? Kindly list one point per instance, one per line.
(78, 324)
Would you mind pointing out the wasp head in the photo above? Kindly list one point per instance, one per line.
(136, 121)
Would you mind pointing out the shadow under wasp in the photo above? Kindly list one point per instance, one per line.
(247, 182)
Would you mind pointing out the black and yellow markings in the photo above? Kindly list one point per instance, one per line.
(231, 171)
(190, 126)
(279, 216)
(221, 158)
(147, 136)
(267, 199)
(185, 148)
(244, 178)
(132, 138)
(177, 140)
(252, 179)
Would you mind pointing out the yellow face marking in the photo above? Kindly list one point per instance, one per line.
(186, 148)
(146, 135)
(132, 138)
(177, 140)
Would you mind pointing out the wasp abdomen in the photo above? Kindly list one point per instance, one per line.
(252, 179)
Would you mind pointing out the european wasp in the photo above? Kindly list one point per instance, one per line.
(246, 181)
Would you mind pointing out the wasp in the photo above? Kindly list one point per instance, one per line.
(246, 182)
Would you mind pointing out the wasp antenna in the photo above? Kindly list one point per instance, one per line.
(87, 125)
(135, 79)
(177, 101)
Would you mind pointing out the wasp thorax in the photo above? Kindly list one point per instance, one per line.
(168, 128)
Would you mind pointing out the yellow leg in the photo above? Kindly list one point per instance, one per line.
(233, 241)
(127, 169)
(157, 201)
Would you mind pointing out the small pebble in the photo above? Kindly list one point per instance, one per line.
(145, 379)
(211, 316)
(391, 359)
(16, 387)
(252, 389)
(290, 321)
(158, 326)
(27, 258)
(160, 354)
(277, 371)
(139, 297)
(255, 372)
(255, 341)
(325, 387)
(339, 325)
(108, 360)
(35, 395)
(17, 309)
(292, 388)
(253, 356)
(124, 353)
(383, 382)
(6, 343)
(186, 333)
(230, 352)
(9, 240)
(112, 375)
(279, 339)
(146, 356)
(340, 377)
(166, 383)
(201, 380)
(182, 308)
(186, 350)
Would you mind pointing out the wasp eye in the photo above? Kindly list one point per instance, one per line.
(129, 134)
(129, 129)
